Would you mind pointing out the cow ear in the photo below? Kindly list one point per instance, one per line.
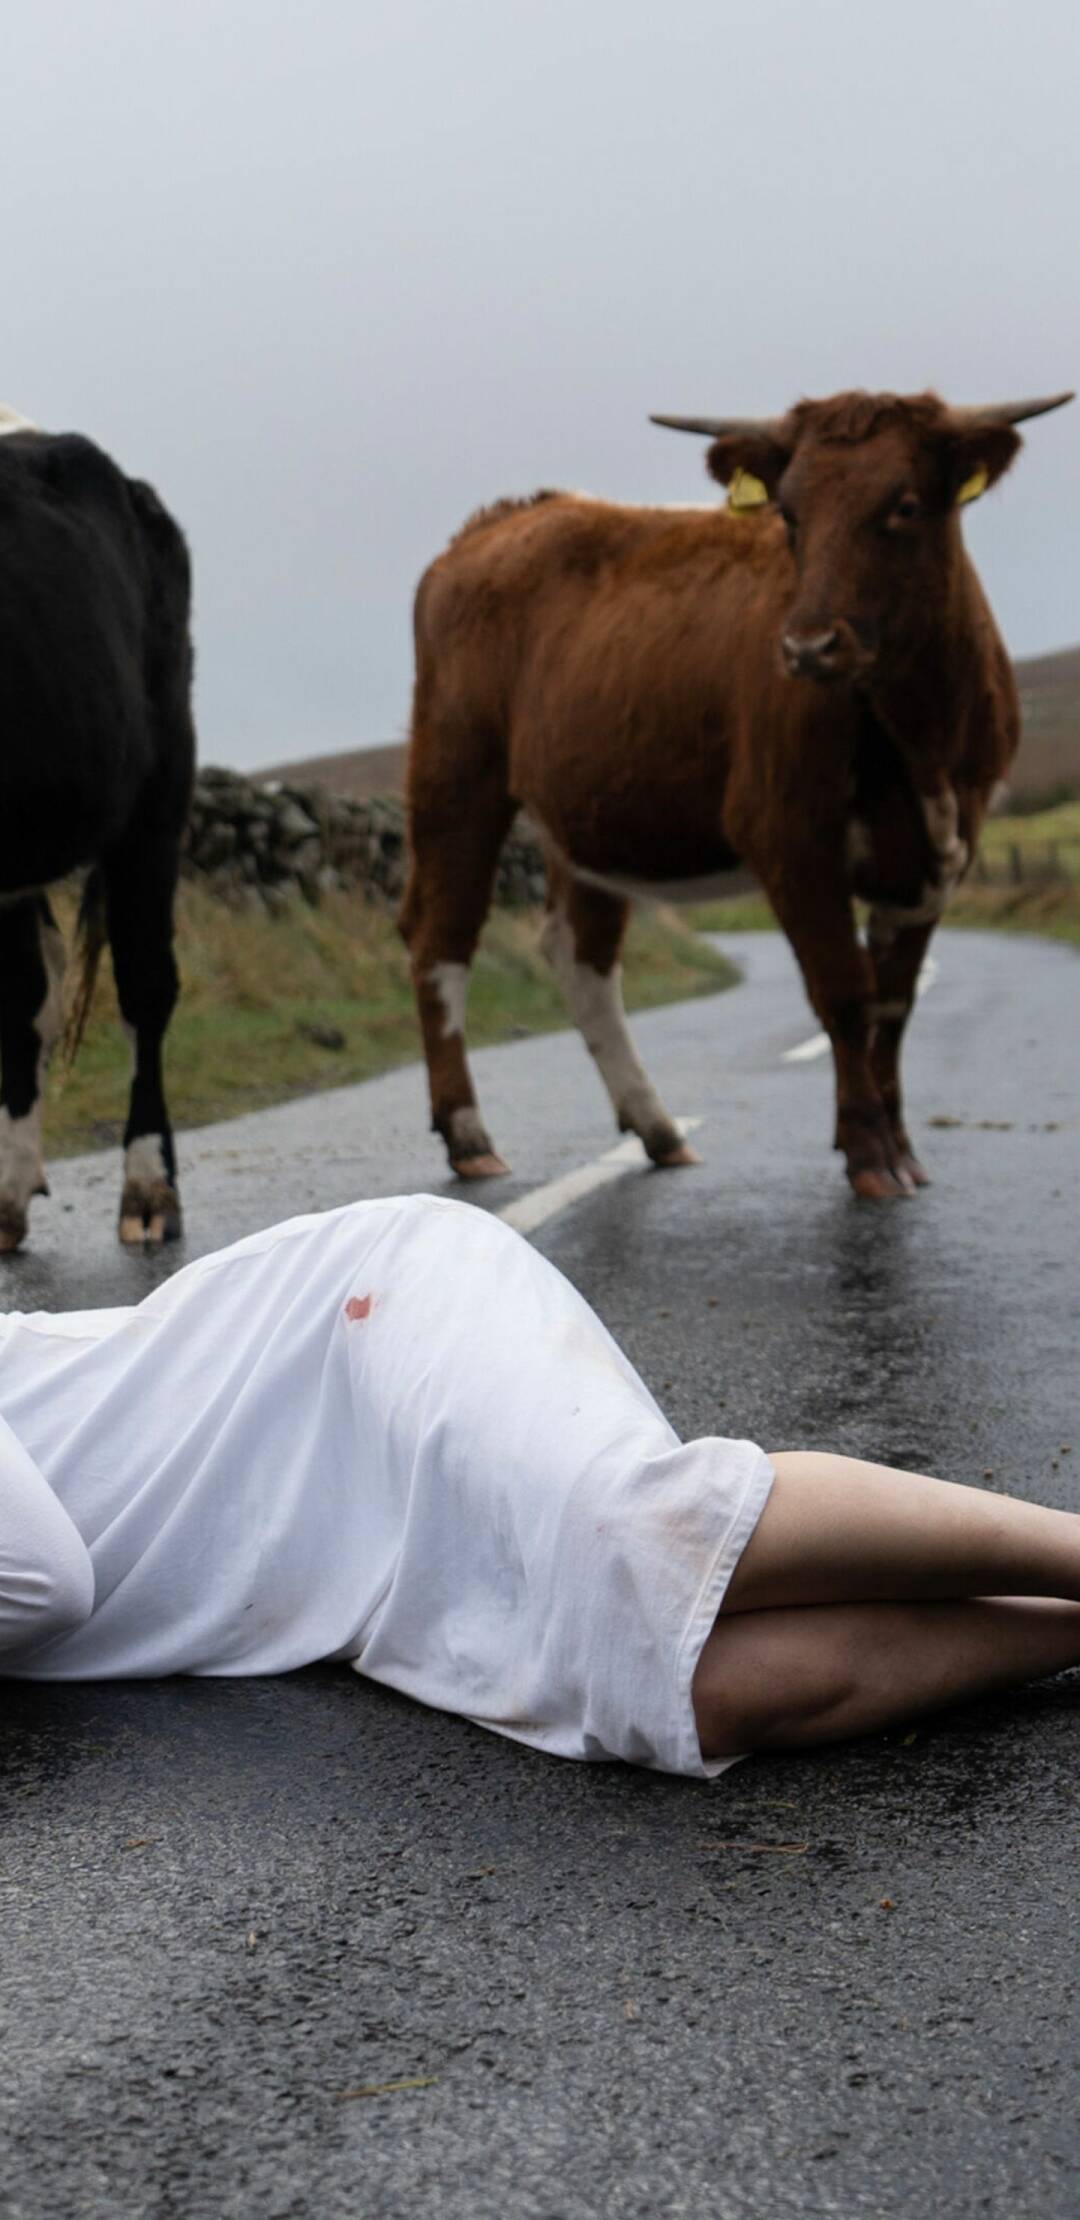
(976, 460)
(750, 465)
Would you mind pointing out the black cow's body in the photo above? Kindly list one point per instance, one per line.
(96, 760)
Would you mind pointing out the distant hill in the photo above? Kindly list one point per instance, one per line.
(356, 773)
(1047, 768)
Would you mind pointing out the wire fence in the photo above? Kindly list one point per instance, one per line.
(1028, 863)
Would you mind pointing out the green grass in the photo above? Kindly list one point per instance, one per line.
(745, 913)
(1051, 907)
(1051, 910)
(1033, 829)
(1046, 842)
(253, 983)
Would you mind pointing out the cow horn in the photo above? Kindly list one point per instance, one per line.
(722, 427)
(1008, 412)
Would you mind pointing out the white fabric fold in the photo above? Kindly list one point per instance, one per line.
(395, 1434)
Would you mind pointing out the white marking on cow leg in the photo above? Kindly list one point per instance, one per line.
(451, 984)
(469, 1146)
(596, 1006)
(858, 844)
(942, 815)
(144, 1161)
(818, 1044)
(22, 1172)
(149, 1209)
(467, 1133)
(889, 918)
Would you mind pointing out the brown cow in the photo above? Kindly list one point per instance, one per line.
(808, 681)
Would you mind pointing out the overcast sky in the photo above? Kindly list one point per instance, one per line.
(331, 274)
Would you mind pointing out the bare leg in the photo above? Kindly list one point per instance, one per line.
(865, 1595)
(791, 1678)
(836, 1530)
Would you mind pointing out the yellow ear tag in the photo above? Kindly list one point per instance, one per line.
(973, 486)
(747, 492)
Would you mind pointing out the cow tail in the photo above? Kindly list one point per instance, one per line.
(90, 937)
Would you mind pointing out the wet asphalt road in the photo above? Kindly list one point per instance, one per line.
(227, 1906)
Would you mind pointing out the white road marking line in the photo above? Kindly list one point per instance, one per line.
(533, 1210)
(818, 1043)
(807, 1050)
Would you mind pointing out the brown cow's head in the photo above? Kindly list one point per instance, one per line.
(869, 487)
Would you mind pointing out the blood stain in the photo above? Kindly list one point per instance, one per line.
(358, 1306)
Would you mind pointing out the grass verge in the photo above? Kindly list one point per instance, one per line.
(1050, 906)
(255, 987)
(1035, 834)
(1053, 910)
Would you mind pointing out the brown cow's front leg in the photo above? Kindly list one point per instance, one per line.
(840, 982)
(898, 952)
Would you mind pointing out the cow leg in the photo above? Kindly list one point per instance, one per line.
(581, 937)
(840, 982)
(453, 854)
(898, 953)
(31, 1004)
(140, 883)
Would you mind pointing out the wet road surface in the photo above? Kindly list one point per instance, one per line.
(842, 1984)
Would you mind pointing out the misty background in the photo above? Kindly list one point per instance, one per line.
(332, 275)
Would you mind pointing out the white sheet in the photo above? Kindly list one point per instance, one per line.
(459, 1483)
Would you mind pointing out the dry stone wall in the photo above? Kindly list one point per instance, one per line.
(260, 841)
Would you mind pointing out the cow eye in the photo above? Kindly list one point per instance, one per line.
(904, 510)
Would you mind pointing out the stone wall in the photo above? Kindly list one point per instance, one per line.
(256, 840)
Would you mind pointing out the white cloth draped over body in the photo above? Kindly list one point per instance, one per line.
(392, 1434)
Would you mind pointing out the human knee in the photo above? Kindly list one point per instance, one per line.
(734, 1711)
(759, 1686)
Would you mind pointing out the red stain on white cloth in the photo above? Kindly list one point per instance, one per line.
(358, 1306)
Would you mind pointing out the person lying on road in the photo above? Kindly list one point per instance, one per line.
(394, 1435)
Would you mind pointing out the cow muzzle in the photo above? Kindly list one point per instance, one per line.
(826, 652)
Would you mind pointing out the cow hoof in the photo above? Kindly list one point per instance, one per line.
(874, 1183)
(150, 1216)
(488, 1166)
(916, 1172)
(676, 1158)
(12, 1226)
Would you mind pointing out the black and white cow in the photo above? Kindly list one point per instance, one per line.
(97, 751)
